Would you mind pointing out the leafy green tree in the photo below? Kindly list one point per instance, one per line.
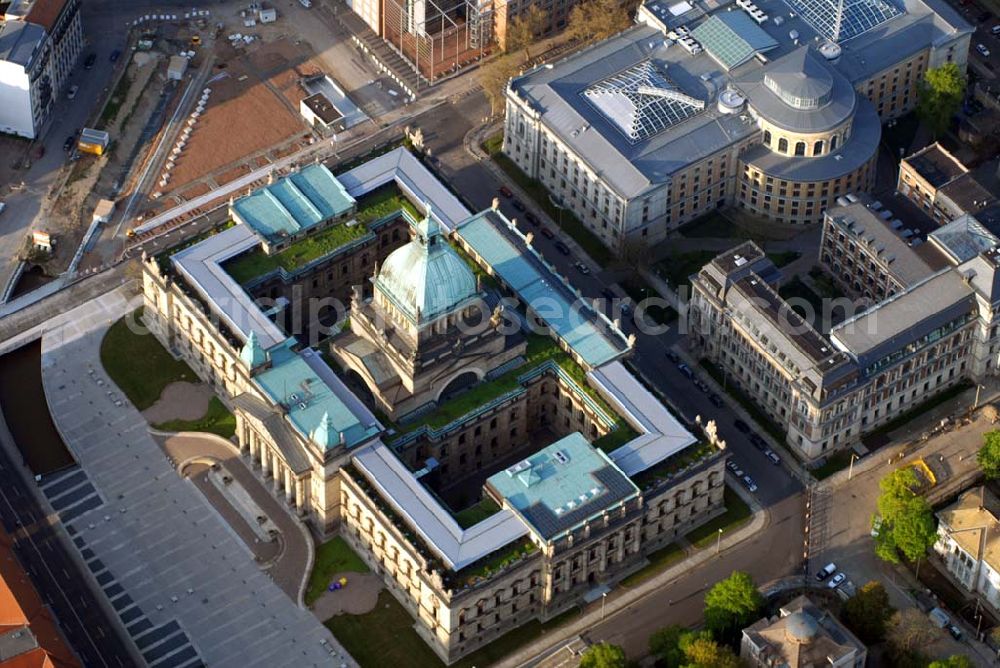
(867, 612)
(665, 645)
(907, 519)
(594, 20)
(953, 661)
(939, 96)
(603, 655)
(731, 605)
(989, 455)
(700, 651)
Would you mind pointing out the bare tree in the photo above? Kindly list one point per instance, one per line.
(990, 413)
(525, 29)
(494, 75)
(594, 20)
(910, 630)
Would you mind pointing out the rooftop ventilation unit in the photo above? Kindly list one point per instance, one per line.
(560, 457)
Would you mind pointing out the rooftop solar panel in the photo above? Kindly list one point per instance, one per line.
(641, 102)
(841, 20)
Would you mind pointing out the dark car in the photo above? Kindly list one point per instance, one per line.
(517, 204)
(68, 144)
(562, 248)
(547, 233)
(506, 192)
(716, 400)
(686, 371)
(758, 442)
(88, 64)
(741, 426)
(114, 56)
(673, 357)
(532, 218)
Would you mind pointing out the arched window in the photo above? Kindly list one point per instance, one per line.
(767, 137)
(800, 148)
(783, 145)
(818, 147)
(833, 143)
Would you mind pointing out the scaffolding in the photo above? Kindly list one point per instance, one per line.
(438, 37)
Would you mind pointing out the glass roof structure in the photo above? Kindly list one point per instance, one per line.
(732, 38)
(641, 102)
(841, 20)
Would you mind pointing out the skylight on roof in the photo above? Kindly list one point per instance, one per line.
(732, 38)
(841, 20)
(641, 102)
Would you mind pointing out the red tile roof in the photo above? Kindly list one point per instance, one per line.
(45, 13)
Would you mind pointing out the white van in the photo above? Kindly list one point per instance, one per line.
(827, 571)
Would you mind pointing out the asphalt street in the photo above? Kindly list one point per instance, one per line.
(54, 574)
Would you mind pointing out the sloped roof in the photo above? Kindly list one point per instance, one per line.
(841, 20)
(732, 38)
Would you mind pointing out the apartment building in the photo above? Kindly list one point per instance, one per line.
(944, 188)
(40, 42)
(773, 107)
(968, 543)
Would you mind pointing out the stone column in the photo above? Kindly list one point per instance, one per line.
(300, 500)
(265, 462)
(243, 434)
(254, 448)
(288, 485)
(276, 471)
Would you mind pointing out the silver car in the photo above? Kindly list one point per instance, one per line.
(836, 580)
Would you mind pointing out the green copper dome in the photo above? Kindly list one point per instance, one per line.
(426, 278)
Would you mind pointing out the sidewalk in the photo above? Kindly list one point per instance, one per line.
(617, 604)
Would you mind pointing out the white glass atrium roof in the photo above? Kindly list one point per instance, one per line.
(732, 38)
(641, 102)
(841, 20)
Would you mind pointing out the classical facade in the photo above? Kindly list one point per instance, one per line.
(576, 470)
(826, 387)
(669, 120)
(967, 546)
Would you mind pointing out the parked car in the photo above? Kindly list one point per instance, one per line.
(995, 30)
(71, 93)
(983, 51)
(582, 268)
(749, 483)
(826, 571)
(506, 192)
(517, 204)
(2, 207)
(114, 56)
(547, 233)
(532, 218)
(716, 400)
(700, 384)
(741, 426)
(772, 456)
(562, 248)
(955, 632)
(88, 64)
(673, 357)
(69, 143)
(876, 526)
(685, 371)
(836, 581)
(731, 465)
(757, 441)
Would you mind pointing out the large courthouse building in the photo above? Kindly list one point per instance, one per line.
(775, 107)
(494, 463)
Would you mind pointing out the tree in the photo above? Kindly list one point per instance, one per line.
(867, 613)
(939, 96)
(665, 645)
(991, 413)
(603, 655)
(989, 455)
(910, 630)
(731, 605)
(700, 651)
(493, 77)
(594, 20)
(953, 661)
(523, 29)
(907, 519)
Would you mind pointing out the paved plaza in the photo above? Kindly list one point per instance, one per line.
(184, 585)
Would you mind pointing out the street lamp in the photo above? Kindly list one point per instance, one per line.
(557, 203)
(718, 543)
(604, 600)
(975, 404)
(850, 469)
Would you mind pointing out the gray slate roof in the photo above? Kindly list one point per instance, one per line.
(19, 42)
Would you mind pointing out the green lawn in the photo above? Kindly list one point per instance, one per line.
(385, 637)
(737, 514)
(713, 226)
(377, 204)
(115, 101)
(615, 438)
(138, 364)
(678, 268)
(217, 420)
(838, 461)
(477, 513)
(784, 258)
(540, 194)
(658, 562)
(333, 556)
